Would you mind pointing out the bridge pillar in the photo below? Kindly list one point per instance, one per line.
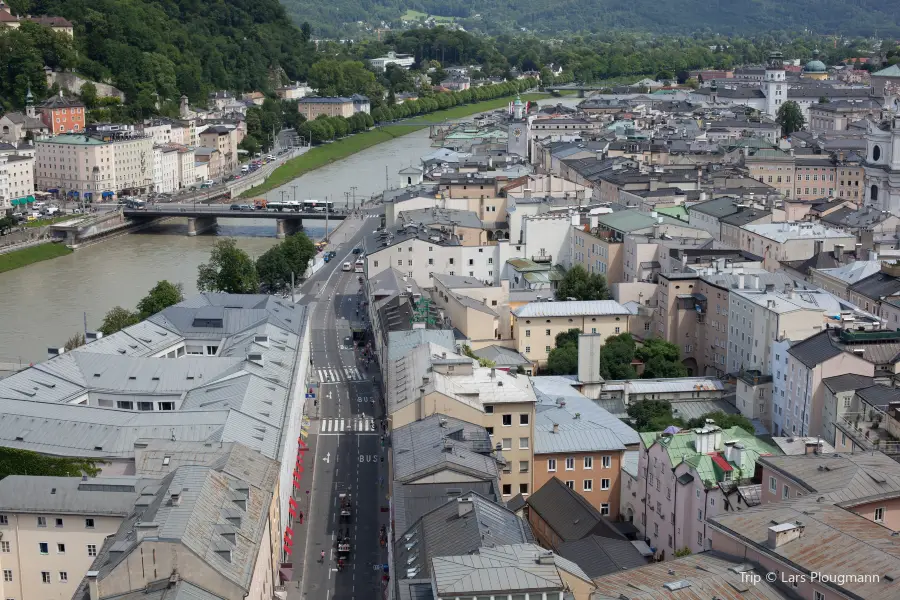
(286, 227)
(581, 93)
(197, 225)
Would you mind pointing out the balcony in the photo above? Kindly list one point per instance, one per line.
(871, 429)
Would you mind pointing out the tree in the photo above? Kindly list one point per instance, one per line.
(75, 341)
(88, 94)
(652, 415)
(563, 360)
(568, 337)
(250, 144)
(790, 117)
(272, 268)
(229, 270)
(118, 318)
(163, 295)
(14, 461)
(661, 359)
(581, 285)
(616, 356)
(6, 223)
(824, 99)
(724, 420)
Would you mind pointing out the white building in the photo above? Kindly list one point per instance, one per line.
(882, 165)
(16, 179)
(166, 176)
(401, 60)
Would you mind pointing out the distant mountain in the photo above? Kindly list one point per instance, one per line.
(854, 17)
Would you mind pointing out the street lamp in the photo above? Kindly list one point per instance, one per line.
(353, 190)
(294, 187)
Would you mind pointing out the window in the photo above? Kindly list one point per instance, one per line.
(523, 466)
(523, 418)
(4, 520)
(490, 430)
(42, 521)
(588, 462)
(507, 420)
(570, 484)
(551, 465)
(588, 485)
(879, 515)
(89, 523)
(527, 333)
(507, 489)
(63, 577)
(7, 575)
(527, 349)
(604, 484)
(60, 548)
(523, 488)
(773, 484)
(817, 595)
(547, 349)
(699, 515)
(570, 464)
(59, 522)
(607, 462)
(4, 547)
(489, 409)
(92, 550)
(45, 576)
(547, 332)
(507, 443)
(786, 492)
(699, 538)
(523, 443)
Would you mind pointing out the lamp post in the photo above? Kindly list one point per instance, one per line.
(294, 187)
(353, 189)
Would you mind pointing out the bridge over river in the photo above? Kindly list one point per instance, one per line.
(204, 217)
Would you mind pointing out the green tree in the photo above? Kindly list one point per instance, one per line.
(6, 223)
(564, 338)
(229, 270)
(616, 356)
(724, 420)
(790, 117)
(163, 295)
(563, 360)
(652, 415)
(581, 285)
(661, 359)
(250, 144)
(118, 318)
(14, 461)
(75, 341)
(88, 95)
(273, 268)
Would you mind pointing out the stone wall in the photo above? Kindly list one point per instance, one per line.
(72, 83)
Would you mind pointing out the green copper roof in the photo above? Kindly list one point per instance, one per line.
(681, 446)
(678, 212)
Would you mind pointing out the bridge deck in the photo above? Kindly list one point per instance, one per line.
(229, 214)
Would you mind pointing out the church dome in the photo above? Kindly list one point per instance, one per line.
(815, 66)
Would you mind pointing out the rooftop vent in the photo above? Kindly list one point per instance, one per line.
(673, 586)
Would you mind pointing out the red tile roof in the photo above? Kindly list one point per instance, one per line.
(721, 462)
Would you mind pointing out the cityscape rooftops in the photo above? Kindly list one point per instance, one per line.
(569, 514)
(784, 232)
(106, 496)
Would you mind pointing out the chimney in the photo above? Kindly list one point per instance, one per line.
(741, 280)
(556, 428)
(858, 251)
(811, 447)
(770, 288)
(93, 584)
(781, 534)
(755, 281)
(51, 352)
(175, 496)
(838, 252)
(464, 506)
(146, 529)
(729, 450)
(818, 247)
(873, 255)
(546, 558)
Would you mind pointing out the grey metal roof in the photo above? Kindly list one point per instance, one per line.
(599, 556)
(510, 568)
(440, 216)
(164, 589)
(717, 207)
(568, 513)
(475, 305)
(574, 432)
(848, 381)
(457, 281)
(876, 286)
(439, 443)
(693, 409)
(502, 356)
(415, 589)
(401, 343)
(576, 308)
(107, 496)
(413, 501)
(879, 395)
(442, 532)
(814, 350)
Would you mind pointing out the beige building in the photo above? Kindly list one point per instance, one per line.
(425, 382)
(814, 177)
(89, 165)
(773, 167)
(225, 141)
(53, 528)
(16, 179)
(778, 242)
(479, 311)
(851, 180)
(534, 326)
(312, 107)
(598, 253)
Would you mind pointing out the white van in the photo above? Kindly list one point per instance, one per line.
(245, 169)
(347, 267)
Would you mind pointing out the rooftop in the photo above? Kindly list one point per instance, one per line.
(578, 308)
(106, 496)
(569, 514)
(783, 232)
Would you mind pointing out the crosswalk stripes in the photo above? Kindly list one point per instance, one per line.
(349, 425)
(339, 374)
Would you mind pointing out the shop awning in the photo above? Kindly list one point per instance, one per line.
(107, 194)
(286, 573)
(53, 191)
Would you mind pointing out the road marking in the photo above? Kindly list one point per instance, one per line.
(358, 425)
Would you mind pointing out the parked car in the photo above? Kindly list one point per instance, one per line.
(236, 207)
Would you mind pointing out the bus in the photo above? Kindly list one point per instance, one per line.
(289, 205)
(318, 206)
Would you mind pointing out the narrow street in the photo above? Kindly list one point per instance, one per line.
(345, 455)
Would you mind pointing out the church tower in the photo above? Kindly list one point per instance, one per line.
(774, 84)
(29, 104)
(517, 132)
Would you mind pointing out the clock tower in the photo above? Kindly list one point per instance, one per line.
(517, 133)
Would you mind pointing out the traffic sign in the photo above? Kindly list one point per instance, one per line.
(310, 396)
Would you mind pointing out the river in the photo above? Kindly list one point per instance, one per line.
(44, 304)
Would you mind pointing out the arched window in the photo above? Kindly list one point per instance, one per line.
(873, 192)
(876, 153)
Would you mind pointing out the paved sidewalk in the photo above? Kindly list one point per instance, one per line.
(300, 522)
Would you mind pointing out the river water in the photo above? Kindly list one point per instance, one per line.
(44, 304)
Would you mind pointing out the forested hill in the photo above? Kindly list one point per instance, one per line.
(161, 48)
(859, 17)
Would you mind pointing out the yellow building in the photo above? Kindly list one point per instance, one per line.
(534, 326)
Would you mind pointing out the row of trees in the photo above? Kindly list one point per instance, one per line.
(656, 415)
(232, 271)
(160, 297)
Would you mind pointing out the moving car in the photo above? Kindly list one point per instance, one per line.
(235, 207)
(357, 250)
(347, 267)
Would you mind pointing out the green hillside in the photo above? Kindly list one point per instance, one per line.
(154, 50)
(858, 17)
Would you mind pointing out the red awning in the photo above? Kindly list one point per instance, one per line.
(292, 502)
(287, 549)
(296, 483)
(288, 541)
(292, 512)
